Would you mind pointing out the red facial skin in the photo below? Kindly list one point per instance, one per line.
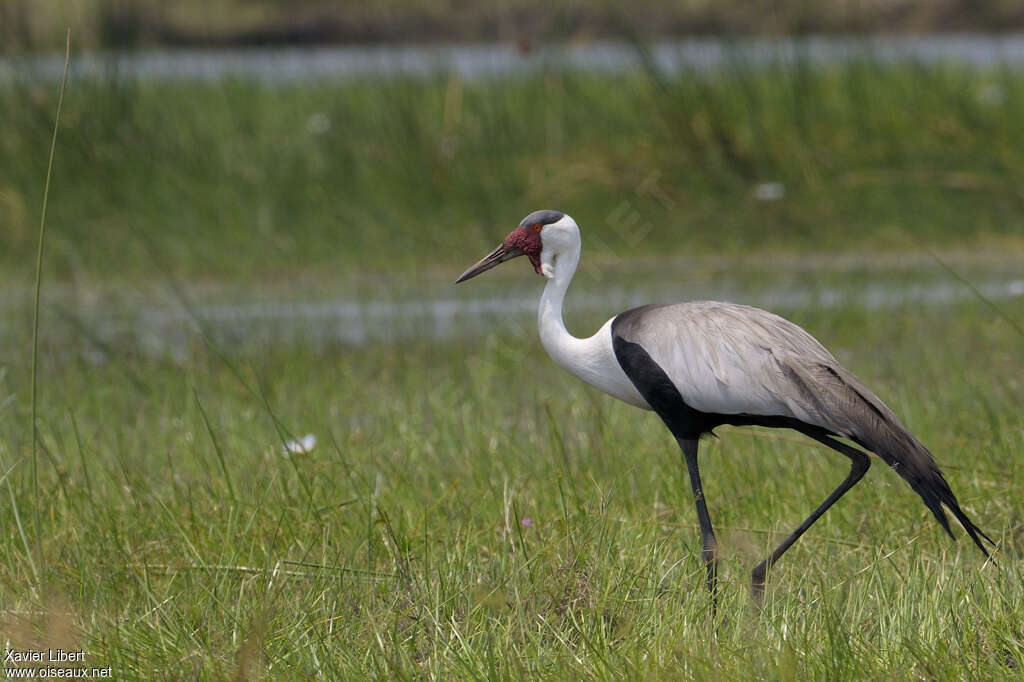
(527, 240)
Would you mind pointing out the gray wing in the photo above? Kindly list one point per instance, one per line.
(729, 359)
(732, 359)
(726, 358)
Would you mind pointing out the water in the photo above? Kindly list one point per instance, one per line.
(355, 323)
(476, 61)
(95, 328)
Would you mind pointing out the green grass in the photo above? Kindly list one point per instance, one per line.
(470, 511)
(178, 542)
(252, 182)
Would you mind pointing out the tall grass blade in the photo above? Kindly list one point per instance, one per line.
(216, 447)
(35, 305)
(980, 296)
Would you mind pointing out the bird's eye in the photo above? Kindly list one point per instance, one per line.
(538, 227)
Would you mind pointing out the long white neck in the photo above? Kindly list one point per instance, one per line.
(591, 359)
(562, 346)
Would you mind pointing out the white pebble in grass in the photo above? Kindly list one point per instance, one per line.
(1016, 288)
(769, 191)
(318, 124)
(300, 446)
(992, 94)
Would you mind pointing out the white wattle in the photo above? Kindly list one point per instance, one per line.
(592, 360)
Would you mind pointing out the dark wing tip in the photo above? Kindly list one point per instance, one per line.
(882, 433)
(935, 491)
(976, 534)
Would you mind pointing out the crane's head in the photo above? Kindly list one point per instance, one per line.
(541, 236)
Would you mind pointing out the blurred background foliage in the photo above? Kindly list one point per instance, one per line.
(40, 24)
(248, 179)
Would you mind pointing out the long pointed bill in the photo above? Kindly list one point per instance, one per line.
(496, 257)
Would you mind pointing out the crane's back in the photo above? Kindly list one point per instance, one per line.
(725, 358)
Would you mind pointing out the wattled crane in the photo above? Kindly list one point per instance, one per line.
(702, 364)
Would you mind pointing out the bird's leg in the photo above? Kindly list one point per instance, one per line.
(707, 534)
(859, 464)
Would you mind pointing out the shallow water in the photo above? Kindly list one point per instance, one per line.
(174, 327)
(351, 322)
(476, 61)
